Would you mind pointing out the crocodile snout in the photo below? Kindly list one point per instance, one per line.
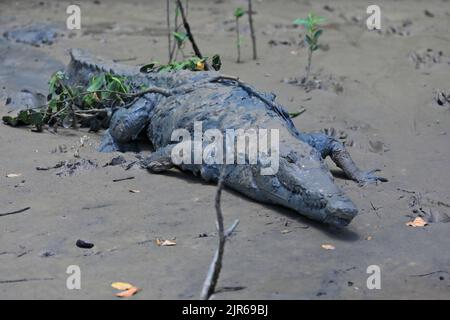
(340, 211)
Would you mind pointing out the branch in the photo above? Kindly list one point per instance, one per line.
(274, 106)
(252, 29)
(14, 212)
(189, 33)
(213, 274)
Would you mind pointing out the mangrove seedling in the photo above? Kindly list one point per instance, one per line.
(238, 13)
(313, 32)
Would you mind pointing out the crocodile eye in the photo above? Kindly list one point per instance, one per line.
(291, 157)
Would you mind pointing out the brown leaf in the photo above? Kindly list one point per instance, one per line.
(121, 285)
(417, 223)
(328, 246)
(165, 243)
(128, 293)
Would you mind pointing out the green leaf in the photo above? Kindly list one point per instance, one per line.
(12, 121)
(317, 20)
(54, 82)
(317, 34)
(25, 118)
(239, 12)
(180, 37)
(150, 67)
(96, 83)
(36, 119)
(297, 113)
(309, 41)
(216, 62)
(53, 105)
(302, 22)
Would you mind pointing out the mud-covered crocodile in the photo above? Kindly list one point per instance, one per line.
(303, 181)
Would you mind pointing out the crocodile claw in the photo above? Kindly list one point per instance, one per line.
(369, 177)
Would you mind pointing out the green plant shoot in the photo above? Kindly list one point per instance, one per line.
(313, 32)
(238, 13)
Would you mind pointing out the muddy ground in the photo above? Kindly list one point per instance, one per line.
(382, 95)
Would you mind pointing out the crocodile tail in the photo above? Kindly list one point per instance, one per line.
(84, 65)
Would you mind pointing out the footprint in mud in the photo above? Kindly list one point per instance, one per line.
(35, 35)
(25, 98)
(71, 167)
(431, 210)
(332, 284)
(428, 57)
(317, 82)
(377, 146)
(403, 29)
(442, 98)
(340, 135)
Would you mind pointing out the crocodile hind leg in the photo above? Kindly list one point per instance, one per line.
(329, 146)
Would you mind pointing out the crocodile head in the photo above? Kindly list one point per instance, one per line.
(308, 188)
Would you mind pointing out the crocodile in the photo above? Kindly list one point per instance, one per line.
(303, 181)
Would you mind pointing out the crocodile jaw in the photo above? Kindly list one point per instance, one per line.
(311, 192)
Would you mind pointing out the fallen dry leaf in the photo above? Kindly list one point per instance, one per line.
(121, 285)
(327, 246)
(165, 243)
(134, 191)
(13, 175)
(417, 222)
(128, 293)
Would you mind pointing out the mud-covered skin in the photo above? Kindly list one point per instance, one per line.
(36, 35)
(303, 181)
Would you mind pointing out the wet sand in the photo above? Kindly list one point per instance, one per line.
(386, 108)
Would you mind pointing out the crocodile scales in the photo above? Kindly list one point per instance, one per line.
(303, 182)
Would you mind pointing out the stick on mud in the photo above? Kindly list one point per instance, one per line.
(212, 277)
(14, 212)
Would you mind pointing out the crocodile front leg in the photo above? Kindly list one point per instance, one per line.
(160, 160)
(329, 146)
(125, 126)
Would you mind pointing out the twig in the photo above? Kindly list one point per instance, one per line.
(275, 107)
(216, 265)
(161, 91)
(24, 280)
(169, 31)
(252, 29)
(14, 212)
(187, 27)
(123, 179)
(429, 274)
